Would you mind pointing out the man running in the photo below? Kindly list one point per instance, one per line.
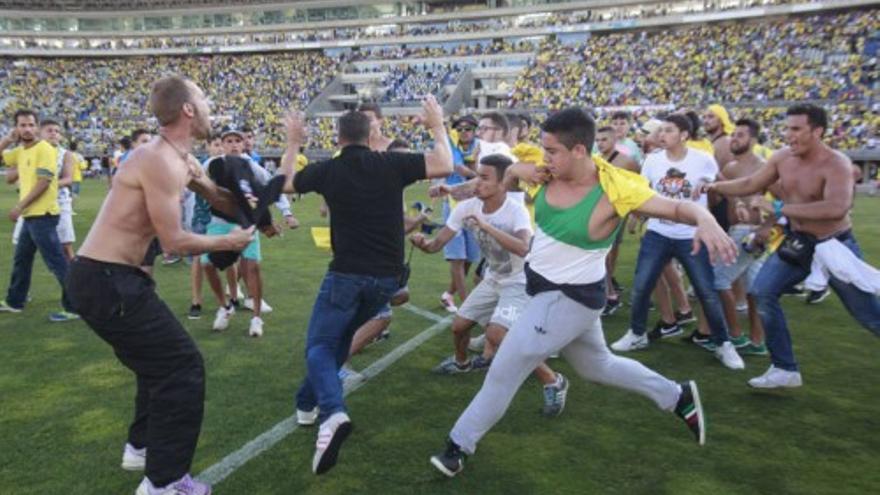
(578, 213)
(503, 228)
(364, 191)
(816, 196)
(119, 302)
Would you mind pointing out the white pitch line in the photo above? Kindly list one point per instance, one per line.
(268, 439)
(422, 312)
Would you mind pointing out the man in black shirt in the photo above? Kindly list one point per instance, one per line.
(364, 192)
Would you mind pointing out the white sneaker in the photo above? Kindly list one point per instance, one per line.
(221, 321)
(256, 329)
(332, 433)
(448, 302)
(726, 352)
(183, 486)
(477, 344)
(777, 378)
(630, 342)
(264, 306)
(306, 418)
(134, 459)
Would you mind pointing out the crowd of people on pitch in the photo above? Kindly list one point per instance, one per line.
(539, 227)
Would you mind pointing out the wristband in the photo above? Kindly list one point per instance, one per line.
(777, 208)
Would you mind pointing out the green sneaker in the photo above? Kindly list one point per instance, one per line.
(740, 341)
(752, 349)
(62, 316)
(6, 308)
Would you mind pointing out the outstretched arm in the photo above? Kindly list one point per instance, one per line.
(433, 245)
(719, 245)
(758, 182)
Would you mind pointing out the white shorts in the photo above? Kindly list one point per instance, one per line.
(491, 302)
(65, 230)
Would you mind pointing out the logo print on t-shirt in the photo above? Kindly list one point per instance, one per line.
(675, 185)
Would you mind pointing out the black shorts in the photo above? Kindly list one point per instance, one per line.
(153, 251)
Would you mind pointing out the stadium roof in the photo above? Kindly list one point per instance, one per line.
(117, 5)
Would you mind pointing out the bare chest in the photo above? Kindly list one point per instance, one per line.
(801, 183)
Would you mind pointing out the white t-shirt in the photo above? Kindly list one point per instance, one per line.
(502, 266)
(501, 148)
(676, 180)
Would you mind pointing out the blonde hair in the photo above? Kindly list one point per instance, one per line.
(167, 98)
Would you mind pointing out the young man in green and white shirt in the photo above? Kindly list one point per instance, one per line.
(578, 213)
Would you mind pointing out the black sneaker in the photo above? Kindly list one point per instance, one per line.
(690, 410)
(451, 461)
(701, 340)
(663, 330)
(793, 291)
(611, 306)
(683, 318)
(817, 296)
(195, 312)
(480, 363)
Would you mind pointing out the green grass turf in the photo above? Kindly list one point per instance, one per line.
(65, 401)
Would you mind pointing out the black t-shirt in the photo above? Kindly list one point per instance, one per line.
(364, 191)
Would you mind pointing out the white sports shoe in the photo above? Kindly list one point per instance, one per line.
(134, 459)
(777, 378)
(726, 352)
(332, 433)
(448, 302)
(264, 306)
(630, 342)
(256, 329)
(307, 418)
(477, 344)
(221, 321)
(183, 486)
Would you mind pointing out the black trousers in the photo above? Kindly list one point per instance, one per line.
(120, 304)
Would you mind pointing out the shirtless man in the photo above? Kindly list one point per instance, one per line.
(744, 222)
(118, 300)
(816, 195)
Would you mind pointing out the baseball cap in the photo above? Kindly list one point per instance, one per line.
(231, 129)
(465, 119)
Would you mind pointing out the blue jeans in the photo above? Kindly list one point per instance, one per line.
(654, 254)
(37, 233)
(344, 303)
(777, 275)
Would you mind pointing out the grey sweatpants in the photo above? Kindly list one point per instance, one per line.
(551, 323)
